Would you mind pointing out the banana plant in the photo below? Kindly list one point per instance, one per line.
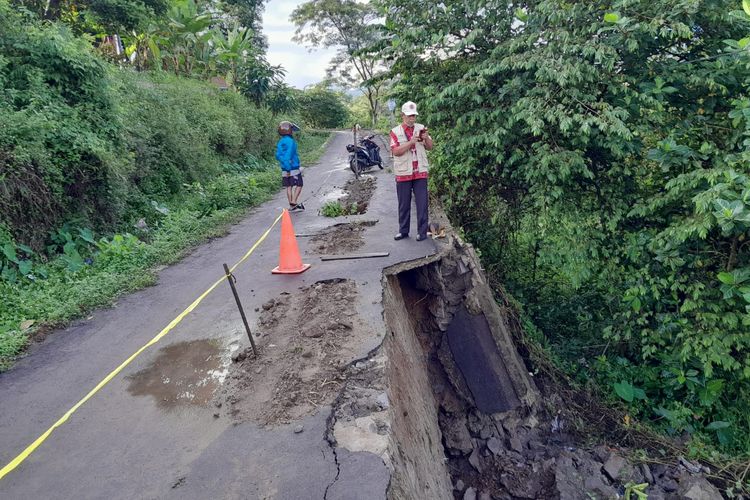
(143, 50)
(187, 34)
(233, 49)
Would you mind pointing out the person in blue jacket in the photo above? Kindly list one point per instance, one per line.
(291, 175)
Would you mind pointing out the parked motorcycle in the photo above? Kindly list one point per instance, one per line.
(364, 156)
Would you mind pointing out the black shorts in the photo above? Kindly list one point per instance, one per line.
(291, 180)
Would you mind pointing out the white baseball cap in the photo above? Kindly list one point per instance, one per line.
(409, 108)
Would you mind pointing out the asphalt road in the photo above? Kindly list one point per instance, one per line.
(122, 444)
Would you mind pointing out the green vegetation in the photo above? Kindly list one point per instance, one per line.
(312, 145)
(598, 154)
(359, 112)
(349, 26)
(337, 209)
(85, 141)
(91, 272)
(108, 172)
(322, 108)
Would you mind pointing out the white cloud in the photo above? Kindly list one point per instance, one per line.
(302, 66)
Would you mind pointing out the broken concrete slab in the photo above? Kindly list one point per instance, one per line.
(614, 466)
(477, 357)
(619, 469)
(362, 434)
(475, 461)
(646, 471)
(494, 445)
(362, 476)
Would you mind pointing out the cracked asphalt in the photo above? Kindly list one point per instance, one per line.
(123, 445)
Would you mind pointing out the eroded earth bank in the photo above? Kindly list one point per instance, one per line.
(444, 406)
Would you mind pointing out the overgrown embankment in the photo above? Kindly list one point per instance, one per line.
(597, 155)
(84, 140)
(107, 173)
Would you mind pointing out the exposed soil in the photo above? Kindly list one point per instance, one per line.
(533, 451)
(340, 239)
(306, 340)
(358, 194)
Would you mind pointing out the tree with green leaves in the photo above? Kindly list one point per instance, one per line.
(598, 154)
(281, 99)
(349, 26)
(248, 14)
(322, 107)
(258, 80)
(98, 16)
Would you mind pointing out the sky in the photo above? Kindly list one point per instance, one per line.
(302, 66)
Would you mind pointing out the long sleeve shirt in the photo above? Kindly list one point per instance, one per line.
(286, 154)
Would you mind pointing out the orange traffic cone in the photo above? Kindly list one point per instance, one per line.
(290, 261)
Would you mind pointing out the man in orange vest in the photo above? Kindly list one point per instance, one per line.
(410, 142)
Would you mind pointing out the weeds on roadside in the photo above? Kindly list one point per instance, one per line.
(82, 272)
(337, 209)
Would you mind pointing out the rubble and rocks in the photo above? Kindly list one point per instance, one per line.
(528, 452)
(360, 420)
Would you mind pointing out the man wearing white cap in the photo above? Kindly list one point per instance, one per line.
(409, 145)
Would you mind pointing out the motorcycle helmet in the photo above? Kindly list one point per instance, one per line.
(287, 128)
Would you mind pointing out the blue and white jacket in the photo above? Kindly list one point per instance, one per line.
(286, 153)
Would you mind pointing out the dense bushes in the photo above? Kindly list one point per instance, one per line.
(59, 138)
(106, 172)
(597, 153)
(80, 140)
(178, 131)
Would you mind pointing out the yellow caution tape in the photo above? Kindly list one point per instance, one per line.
(33, 446)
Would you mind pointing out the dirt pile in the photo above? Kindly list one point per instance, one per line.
(340, 239)
(358, 194)
(305, 340)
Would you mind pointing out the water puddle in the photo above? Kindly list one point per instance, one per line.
(184, 374)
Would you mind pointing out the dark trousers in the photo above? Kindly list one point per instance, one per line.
(403, 192)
